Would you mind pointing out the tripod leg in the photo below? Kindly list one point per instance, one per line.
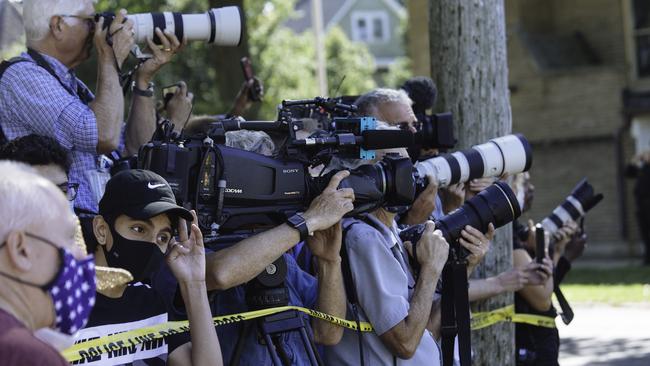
(310, 347)
(241, 339)
(272, 351)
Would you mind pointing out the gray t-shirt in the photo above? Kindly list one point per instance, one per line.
(384, 284)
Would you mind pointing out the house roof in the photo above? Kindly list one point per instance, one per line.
(333, 12)
(11, 24)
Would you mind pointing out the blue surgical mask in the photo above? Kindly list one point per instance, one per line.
(72, 289)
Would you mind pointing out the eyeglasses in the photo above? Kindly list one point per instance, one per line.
(88, 19)
(69, 189)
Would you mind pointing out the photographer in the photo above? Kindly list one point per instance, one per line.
(135, 231)
(394, 108)
(39, 92)
(39, 268)
(407, 318)
(231, 271)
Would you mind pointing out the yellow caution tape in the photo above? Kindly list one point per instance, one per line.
(482, 320)
(115, 342)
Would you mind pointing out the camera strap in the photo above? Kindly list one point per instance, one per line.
(350, 290)
(455, 313)
(82, 93)
(3, 67)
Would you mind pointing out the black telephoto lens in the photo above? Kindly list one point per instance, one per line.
(497, 205)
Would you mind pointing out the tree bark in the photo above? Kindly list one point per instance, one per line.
(225, 60)
(469, 66)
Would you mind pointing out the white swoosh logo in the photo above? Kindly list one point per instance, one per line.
(153, 186)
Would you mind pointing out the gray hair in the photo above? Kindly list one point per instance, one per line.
(254, 141)
(27, 198)
(37, 15)
(369, 103)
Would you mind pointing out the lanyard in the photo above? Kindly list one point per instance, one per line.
(82, 93)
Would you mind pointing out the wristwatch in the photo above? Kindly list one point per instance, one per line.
(143, 93)
(298, 222)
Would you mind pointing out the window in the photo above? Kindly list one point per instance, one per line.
(641, 34)
(370, 26)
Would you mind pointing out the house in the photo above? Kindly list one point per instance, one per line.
(579, 72)
(376, 23)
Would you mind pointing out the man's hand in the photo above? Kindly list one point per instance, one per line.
(453, 197)
(329, 207)
(539, 273)
(474, 186)
(514, 279)
(186, 258)
(575, 247)
(433, 249)
(170, 46)
(326, 244)
(179, 107)
(424, 204)
(476, 243)
(122, 38)
(243, 99)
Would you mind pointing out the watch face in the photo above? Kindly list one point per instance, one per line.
(296, 220)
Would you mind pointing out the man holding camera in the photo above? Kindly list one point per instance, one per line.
(39, 92)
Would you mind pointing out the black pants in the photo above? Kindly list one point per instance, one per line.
(642, 198)
(643, 219)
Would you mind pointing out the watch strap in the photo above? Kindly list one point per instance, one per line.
(299, 223)
(143, 93)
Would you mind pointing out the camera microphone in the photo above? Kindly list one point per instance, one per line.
(386, 139)
(369, 140)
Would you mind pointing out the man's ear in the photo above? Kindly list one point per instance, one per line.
(101, 230)
(20, 253)
(56, 27)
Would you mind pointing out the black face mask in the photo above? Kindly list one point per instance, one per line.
(141, 258)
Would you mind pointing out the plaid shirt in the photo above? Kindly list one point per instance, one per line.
(33, 102)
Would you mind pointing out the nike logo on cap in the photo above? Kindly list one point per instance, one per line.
(154, 186)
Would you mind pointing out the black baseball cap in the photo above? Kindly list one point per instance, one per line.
(140, 194)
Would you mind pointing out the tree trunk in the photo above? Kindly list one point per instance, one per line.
(225, 60)
(469, 66)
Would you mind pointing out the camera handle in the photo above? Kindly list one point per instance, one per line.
(455, 310)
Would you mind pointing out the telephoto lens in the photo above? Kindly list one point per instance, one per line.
(510, 154)
(497, 205)
(581, 200)
(219, 26)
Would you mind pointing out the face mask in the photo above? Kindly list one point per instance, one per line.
(141, 258)
(72, 290)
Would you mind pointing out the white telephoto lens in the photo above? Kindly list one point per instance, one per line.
(437, 167)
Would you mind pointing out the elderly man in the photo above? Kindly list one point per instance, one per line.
(394, 107)
(43, 281)
(39, 92)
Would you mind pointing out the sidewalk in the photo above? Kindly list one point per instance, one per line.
(605, 335)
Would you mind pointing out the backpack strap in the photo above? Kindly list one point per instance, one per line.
(3, 67)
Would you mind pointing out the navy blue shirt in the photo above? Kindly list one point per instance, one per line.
(303, 291)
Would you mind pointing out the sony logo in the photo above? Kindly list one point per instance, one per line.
(290, 171)
(234, 190)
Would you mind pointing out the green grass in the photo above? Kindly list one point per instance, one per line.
(611, 285)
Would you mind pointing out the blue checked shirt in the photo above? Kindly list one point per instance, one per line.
(33, 102)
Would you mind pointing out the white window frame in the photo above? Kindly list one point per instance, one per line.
(369, 16)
